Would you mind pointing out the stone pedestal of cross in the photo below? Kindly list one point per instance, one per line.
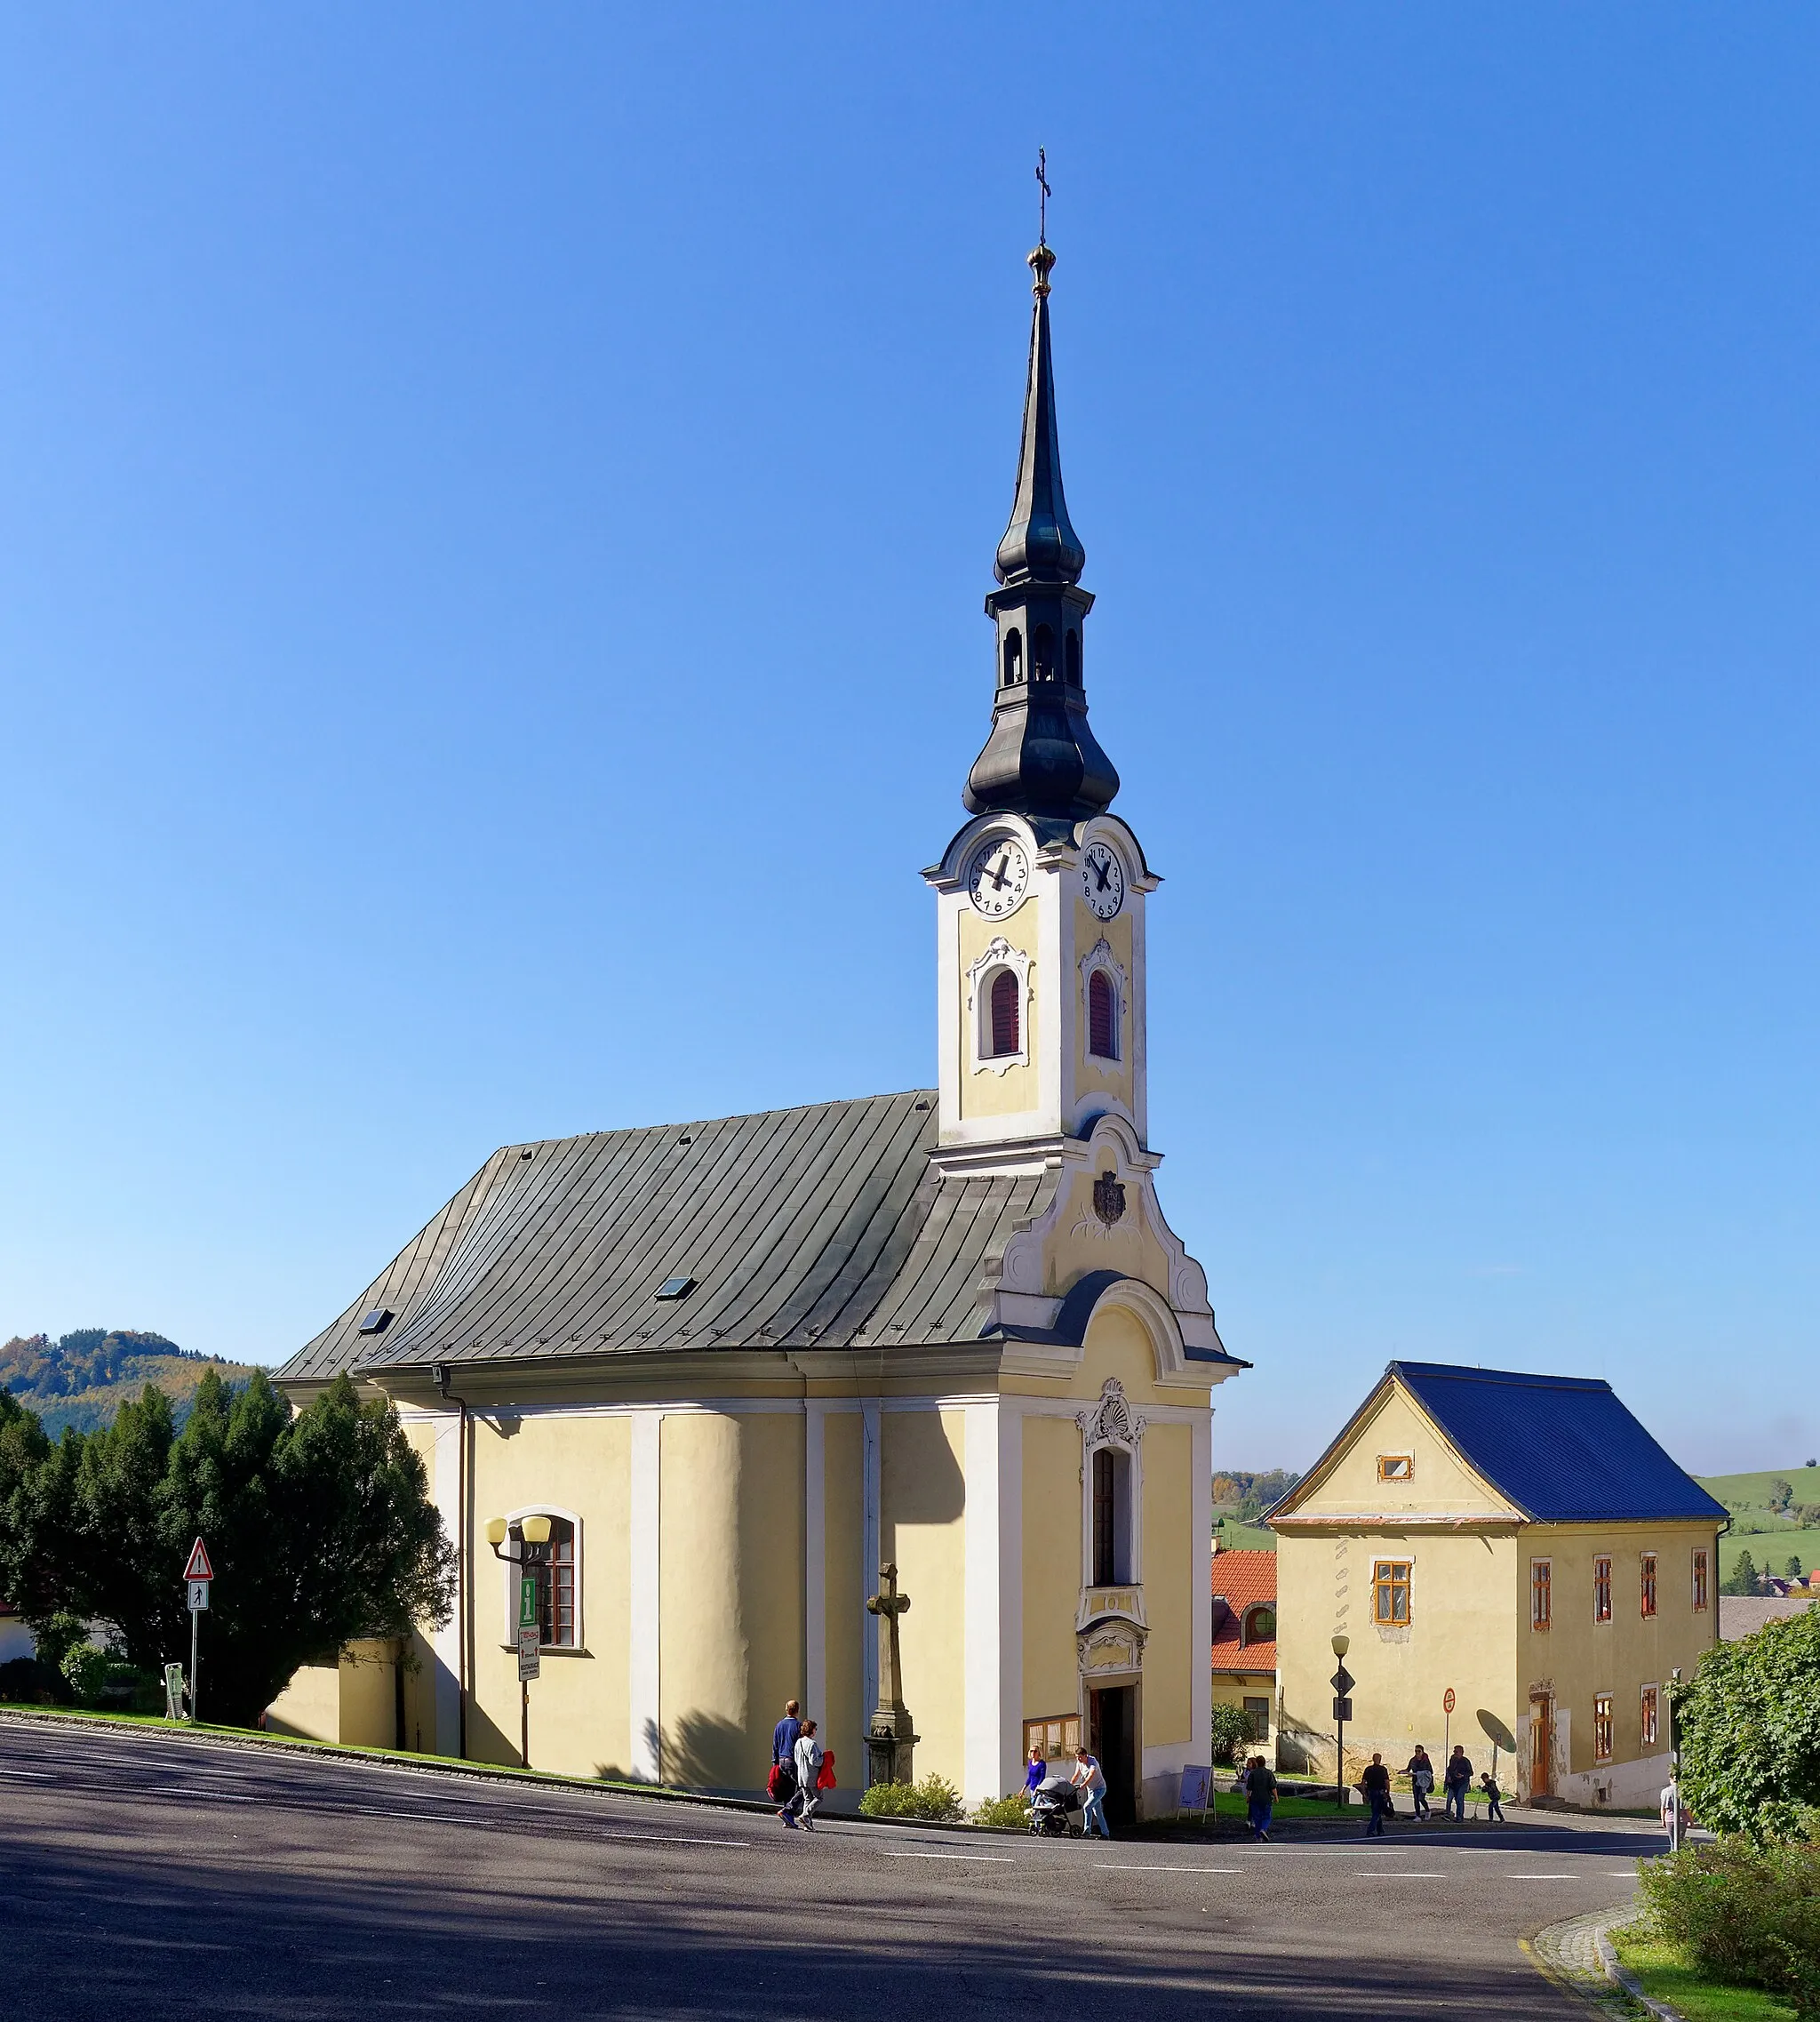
(889, 1736)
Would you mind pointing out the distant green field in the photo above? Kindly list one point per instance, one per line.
(1236, 1536)
(1755, 1489)
(1770, 1555)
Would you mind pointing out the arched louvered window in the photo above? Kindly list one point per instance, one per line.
(1004, 1013)
(1102, 1016)
(1014, 658)
(1071, 658)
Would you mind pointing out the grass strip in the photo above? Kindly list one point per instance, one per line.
(1666, 1977)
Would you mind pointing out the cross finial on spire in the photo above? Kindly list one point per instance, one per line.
(1042, 197)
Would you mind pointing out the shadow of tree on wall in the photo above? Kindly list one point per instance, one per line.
(701, 1752)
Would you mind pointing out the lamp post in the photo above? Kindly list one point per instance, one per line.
(1343, 1683)
(535, 1533)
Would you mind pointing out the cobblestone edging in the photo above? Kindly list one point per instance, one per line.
(1577, 1953)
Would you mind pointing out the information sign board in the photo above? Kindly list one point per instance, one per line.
(1343, 1709)
(529, 1662)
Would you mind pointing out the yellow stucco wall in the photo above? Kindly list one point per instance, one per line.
(730, 1592)
(1168, 1585)
(1576, 1657)
(987, 1091)
(1051, 1567)
(352, 1701)
(1461, 1633)
(842, 1716)
(1440, 1481)
(923, 1527)
(578, 1704)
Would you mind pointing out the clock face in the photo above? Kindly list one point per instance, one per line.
(1102, 880)
(999, 877)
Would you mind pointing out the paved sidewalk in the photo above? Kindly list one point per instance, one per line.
(1573, 1953)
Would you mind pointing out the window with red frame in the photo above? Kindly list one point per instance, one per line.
(1005, 1008)
(1601, 1728)
(555, 1574)
(1102, 1016)
(1601, 1590)
(1649, 1583)
(1700, 1581)
(1541, 1593)
(1651, 1718)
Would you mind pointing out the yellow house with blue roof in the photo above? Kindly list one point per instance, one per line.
(1518, 1540)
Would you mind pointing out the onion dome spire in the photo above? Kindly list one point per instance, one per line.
(1041, 759)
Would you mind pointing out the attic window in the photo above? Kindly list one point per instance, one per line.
(377, 1321)
(1396, 1467)
(676, 1288)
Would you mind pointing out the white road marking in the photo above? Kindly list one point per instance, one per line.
(1542, 1877)
(1400, 1874)
(211, 1796)
(916, 1853)
(37, 1776)
(1145, 1867)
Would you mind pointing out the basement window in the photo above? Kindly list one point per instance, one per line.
(676, 1288)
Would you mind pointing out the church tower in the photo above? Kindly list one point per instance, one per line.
(1040, 896)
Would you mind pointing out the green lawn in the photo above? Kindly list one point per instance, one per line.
(1770, 1551)
(1666, 1978)
(1236, 1536)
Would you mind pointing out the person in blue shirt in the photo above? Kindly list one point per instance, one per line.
(784, 1737)
(1036, 1773)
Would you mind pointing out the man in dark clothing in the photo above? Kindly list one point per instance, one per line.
(784, 1737)
(1376, 1785)
(1260, 1796)
(1459, 1781)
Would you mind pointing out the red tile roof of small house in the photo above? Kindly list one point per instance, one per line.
(1242, 1581)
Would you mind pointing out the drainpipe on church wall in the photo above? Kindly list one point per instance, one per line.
(440, 1374)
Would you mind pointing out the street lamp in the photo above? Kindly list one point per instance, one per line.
(1343, 1683)
(535, 1533)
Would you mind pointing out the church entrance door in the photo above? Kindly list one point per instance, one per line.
(1112, 1735)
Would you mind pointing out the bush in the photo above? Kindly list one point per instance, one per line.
(24, 1682)
(1749, 1731)
(86, 1669)
(1744, 1913)
(1011, 1809)
(1232, 1733)
(935, 1797)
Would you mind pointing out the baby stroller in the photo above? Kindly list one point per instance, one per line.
(1050, 1803)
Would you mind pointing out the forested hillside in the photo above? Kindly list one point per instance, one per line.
(81, 1379)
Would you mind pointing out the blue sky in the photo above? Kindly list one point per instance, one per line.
(494, 505)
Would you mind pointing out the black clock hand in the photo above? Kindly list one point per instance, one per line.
(997, 875)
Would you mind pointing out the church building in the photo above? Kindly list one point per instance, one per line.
(739, 1367)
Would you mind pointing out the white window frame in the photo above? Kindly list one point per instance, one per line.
(1100, 958)
(997, 955)
(510, 1574)
(1113, 1425)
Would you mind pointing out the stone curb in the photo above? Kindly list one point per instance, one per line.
(1577, 1954)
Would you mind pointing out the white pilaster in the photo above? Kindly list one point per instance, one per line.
(814, 1581)
(642, 1644)
(992, 1654)
(445, 1644)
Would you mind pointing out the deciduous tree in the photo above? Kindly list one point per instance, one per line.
(1749, 1731)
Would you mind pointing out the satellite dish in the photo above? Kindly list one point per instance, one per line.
(1496, 1732)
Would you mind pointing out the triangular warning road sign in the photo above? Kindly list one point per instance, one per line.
(198, 1567)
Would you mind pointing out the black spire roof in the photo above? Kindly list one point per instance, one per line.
(1039, 544)
(1040, 760)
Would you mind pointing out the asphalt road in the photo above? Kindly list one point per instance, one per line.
(169, 1878)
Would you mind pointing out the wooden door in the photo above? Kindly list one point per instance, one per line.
(1541, 1746)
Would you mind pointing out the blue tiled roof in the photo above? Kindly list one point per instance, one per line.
(1562, 1447)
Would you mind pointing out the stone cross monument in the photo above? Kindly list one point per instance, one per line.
(889, 1738)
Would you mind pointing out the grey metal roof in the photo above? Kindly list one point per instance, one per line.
(825, 1227)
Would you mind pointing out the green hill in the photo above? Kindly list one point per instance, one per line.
(83, 1378)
